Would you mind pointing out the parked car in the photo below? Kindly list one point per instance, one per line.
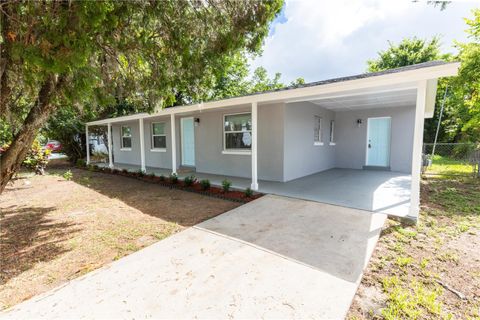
(54, 146)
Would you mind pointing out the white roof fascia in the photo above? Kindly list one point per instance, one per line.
(430, 98)
(414, 75)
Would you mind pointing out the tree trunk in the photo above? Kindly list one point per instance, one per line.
(11, 160)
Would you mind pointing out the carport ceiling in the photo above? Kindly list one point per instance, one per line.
(386, 99)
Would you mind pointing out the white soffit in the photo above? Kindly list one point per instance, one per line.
(370, 100)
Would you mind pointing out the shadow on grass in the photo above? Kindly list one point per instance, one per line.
(28, 237)
(175, 206)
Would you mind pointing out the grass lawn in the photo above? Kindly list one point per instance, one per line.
(448, 166)
(432, 270)
(54, 230)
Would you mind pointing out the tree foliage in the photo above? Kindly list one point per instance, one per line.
(96, 53)
(465, 119)
(234, 79)
(407, 52)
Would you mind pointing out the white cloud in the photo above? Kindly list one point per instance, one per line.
(324, 39)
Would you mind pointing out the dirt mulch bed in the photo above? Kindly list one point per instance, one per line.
(431, 270)
(194, 186)
(54, 230)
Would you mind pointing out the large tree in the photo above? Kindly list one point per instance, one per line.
(94, 53)
(405, 53)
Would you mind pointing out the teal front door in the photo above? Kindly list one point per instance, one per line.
(378, 142)
(188, 141)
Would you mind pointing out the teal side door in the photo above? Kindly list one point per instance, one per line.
(188, 141)
(378, 142)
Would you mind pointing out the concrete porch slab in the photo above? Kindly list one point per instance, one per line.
(379, 191)
(275, 257)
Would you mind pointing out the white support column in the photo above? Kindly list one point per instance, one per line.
(254, 185)
(417, 149)
(142, 145)
(87, 143)
(109, 140)
(174, 144)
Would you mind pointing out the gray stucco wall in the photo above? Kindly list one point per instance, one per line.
(302, 157)
(120, 156)
(155, 158)
(152, 159)
(209, 145)
(285, 142)
(351, 140)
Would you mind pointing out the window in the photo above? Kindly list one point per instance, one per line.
(126, 138)
(317, 131)
(237, 132)
(159, 138)
(332, 129)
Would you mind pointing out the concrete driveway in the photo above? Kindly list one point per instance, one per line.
(275, 257)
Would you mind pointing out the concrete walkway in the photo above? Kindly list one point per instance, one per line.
(275, 257)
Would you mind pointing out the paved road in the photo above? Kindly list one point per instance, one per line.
(275, 257)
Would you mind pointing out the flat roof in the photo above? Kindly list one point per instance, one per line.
(416, 72)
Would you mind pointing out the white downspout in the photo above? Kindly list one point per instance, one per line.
(109, 141)
(142, 145)
(87, 143)
(174, 144)
(254, 185)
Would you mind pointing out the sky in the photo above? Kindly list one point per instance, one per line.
(321, 39)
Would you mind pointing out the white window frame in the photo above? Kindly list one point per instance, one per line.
(235, 151)
(332, 133)
(318, 142)
(122, 136)
(152, 135)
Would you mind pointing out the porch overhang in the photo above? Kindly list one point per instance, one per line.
(401, 79)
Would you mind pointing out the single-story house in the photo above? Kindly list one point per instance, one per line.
(354, 141)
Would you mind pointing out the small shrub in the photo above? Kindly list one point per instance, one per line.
(96, 168)
(205, 183)
(90, 167)
(140, 173)
(81, 163)
(67, 175)
(36, 158)
(152, 175)
(226, 184)
(115, 171)
(173, 178)
(248, 193)
(190, 180)
(125, 171)
(162, 177)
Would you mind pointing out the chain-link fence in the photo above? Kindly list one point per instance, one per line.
(461, 159)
